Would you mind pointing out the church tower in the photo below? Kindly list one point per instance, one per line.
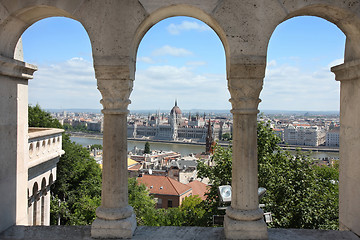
(209, 138)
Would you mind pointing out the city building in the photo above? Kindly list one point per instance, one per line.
(177, 127)
(304, 134)
(44, 153)
(333, 138)
(167, 191)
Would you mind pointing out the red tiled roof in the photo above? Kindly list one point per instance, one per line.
(163, 185)
(198, 188)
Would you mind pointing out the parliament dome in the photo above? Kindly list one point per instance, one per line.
(176, 109)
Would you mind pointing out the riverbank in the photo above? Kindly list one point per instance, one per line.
(223, 144)
(99, 136)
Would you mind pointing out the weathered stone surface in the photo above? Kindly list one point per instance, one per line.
(167, 233)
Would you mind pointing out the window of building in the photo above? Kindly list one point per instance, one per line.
(170, 203)
(159, 203)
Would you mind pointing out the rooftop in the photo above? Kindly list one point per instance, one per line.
(163, 185)
(162, 233)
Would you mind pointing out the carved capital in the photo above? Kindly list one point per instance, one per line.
(347, 71)
(17, 69)
(115, 85)
(245, 95)
(115, 95)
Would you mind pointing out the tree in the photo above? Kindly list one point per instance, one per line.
(40, 118)
(141, 201)
(226, 137)
(299, 194)
(147, 148)
(96, 146)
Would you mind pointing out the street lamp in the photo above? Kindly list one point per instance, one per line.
(225, 197)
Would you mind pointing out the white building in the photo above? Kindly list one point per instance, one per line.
(333, 138)
(45, 149)
(304, 135)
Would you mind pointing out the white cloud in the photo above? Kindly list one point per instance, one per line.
(272, 63)
(288, 87)
(69, 84)
(157, 87)
(146, 60)
(175, 29)
(196, 63)
(173, 51)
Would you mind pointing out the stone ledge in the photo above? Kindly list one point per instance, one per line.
(162, 233)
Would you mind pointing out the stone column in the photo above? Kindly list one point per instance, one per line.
(244, 218)
(349, 192)
(47, 207)
(14, 155)
(115, 218)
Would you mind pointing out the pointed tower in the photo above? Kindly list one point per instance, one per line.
(209, 138)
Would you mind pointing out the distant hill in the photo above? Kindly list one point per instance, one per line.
(288, 112)
(201, 111)
(75, 110)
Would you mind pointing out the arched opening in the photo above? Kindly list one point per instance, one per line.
(172, 59)
(35, 197)
(51, 179)
(300, 98)
(181, 60)
(43, 196)
(61, 49)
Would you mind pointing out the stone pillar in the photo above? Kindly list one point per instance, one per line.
(14, 77)
(47, 207)
(115, 218)
(349, 192)
(244, 218)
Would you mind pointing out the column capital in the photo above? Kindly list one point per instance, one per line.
(245, 95)
(245, 82)
(347, 71)
(115, 86)
(17, 69)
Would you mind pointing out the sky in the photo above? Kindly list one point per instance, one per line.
(182, 58)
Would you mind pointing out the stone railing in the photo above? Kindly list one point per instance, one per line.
(44, 145)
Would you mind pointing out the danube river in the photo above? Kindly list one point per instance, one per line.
(184, 149)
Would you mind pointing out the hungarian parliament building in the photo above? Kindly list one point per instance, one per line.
(175, 127)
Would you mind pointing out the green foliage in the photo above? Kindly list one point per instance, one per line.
(190, 213)
(78, 184)
(147, 148)
(96, 146)
(299, 194)
(226, 137)
(194, 212)
(40, 118)
(219, 174)
(141, 201)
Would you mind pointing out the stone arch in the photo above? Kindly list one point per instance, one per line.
(15, 19)
(42, 201)
(175, 11)
(51, 179)
(35, 205)
(342, 16)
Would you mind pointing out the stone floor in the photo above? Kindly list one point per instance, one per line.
(162, 233)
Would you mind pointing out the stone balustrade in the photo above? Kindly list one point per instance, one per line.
(44, 144)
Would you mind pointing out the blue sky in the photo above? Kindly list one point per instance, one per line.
(182, 58)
